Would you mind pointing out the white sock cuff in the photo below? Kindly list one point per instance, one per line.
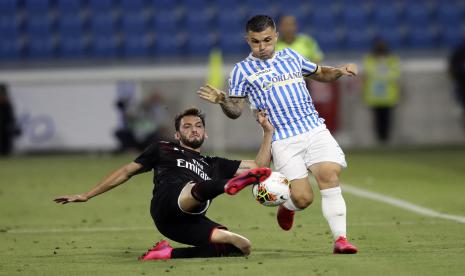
(289, 205)
(331, 191)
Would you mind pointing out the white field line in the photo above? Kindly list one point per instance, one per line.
(346, 188)
(400, 203)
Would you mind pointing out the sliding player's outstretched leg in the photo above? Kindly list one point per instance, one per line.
(253, 176)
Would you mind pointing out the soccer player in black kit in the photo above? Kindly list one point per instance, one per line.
(185, 183)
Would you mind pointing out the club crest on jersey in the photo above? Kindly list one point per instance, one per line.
(267, 85)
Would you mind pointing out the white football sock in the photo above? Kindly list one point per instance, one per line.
(334, 210)
(289, 205)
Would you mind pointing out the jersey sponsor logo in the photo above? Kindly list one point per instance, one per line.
(194, 166)
(261, 74)
(287, 78)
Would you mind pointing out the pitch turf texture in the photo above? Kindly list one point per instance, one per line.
(106, 235)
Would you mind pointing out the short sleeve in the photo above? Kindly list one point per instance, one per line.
(308, 67)
(238, 86)
(149, 158)
(225, 168)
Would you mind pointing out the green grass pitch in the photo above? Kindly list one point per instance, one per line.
(106, 235)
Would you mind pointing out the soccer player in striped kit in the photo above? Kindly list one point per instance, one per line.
(275, 81)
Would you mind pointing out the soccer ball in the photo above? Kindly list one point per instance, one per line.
(273, 191)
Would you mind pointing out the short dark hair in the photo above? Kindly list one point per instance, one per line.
(259, 23)
(193, 111)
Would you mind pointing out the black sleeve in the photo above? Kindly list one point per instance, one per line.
(149, 158)
(225, 168)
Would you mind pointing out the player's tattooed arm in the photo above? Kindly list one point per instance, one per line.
(111, 181)
(232, 107)
(329, 74)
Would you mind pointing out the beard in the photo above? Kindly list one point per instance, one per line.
(194, 143)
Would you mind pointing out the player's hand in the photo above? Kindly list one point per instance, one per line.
(350, 69)
(211, 94)
(262, 119)
(72, 198)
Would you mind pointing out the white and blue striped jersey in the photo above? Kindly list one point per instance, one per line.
(277, 85)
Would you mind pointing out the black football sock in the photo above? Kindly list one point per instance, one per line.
(206, 251)
(209, 189)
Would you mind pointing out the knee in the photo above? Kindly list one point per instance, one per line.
(329, 178)
(302, 201)
(246, 248)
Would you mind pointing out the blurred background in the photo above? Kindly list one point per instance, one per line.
(109, 75)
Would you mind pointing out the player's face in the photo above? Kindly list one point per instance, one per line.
(191, 132)
(262, 43)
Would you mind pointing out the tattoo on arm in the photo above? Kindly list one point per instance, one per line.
(327, 74)
(232, 107)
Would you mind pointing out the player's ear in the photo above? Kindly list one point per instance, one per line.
(206, 135)
(176, 136)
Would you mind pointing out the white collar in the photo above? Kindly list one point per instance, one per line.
(258, 59)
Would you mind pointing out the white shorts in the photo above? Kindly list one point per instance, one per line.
(294, 155)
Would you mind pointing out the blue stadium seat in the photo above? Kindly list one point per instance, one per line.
(417, 14)
(165, 4)
(450, 14)
(233, 44)
(9, 28)
(104, 47)
(72, 47)
(135, 46)
(198, 22)
(37, 7)
(256, 5)
(102, 25)
(132, 6)
(166, 22)
(10, 49)
(354, 17)
(199, 45)
(168, 46)
(40, 48)
(451, 37)
(39, 26)
(71, 25)
(421, 39)
(69, 7)
(231, 21)
(267, 10)
(323, 20)
(328, 41)
(360, 40)
(195, 5)
(134, 24)
(228, 5)
(8, 7)
(101, 6)
(386, 16)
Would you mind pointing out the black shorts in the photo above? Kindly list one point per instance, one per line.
(173, 223)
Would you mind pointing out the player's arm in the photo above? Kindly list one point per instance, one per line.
(329, 74)
(232, 107)
(114, 179)
(263, 158)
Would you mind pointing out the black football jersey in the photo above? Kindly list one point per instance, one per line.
(174, 165)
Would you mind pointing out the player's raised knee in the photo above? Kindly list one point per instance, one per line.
(303, 201)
